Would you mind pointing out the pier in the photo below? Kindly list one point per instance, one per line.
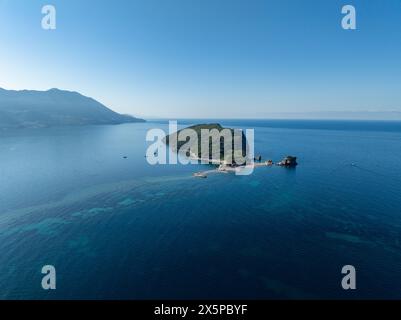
(224, 168)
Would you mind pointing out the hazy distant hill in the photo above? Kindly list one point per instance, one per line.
(36, 109)
(334, 115)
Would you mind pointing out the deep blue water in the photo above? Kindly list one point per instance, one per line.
(121, 229)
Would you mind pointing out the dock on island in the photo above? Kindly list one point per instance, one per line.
(223, 167)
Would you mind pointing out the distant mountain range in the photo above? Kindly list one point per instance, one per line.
(38, 109)
(334, 115)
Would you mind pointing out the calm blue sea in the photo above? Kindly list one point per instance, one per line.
(118, 228)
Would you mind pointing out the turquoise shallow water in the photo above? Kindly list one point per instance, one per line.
(121, 229)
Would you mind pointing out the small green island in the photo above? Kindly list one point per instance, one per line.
(191, 138)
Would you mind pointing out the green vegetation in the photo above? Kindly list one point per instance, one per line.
(219, 137)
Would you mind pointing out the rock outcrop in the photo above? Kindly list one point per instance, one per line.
(288, 161)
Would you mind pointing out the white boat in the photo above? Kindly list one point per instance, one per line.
(200, 175)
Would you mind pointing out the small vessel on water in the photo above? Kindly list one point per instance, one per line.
(200, 175)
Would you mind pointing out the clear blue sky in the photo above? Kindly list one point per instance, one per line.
(208, 58)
